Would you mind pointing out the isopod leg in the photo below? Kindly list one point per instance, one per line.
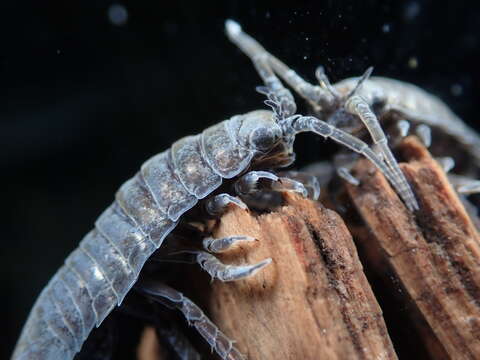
(343, 166)
(447, 163)
(424, 133)
(219, 204)
(344, 173)
(257, 181)
(403, 127)
(323, 171)
(223, 272)
(423, 130)
(168, 331)
(249, 183)
(219, 342)
(308, 181)
(176, 340)
(224, 244)
(464, 185)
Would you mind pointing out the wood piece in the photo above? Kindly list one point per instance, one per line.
(435, 253)
(149, 348)
(312, 302)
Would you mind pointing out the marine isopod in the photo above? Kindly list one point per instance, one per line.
(241, 150)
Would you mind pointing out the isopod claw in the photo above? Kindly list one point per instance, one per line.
(218, 204)
(222, 272)
(345, 174)
(403, 127)
(447, 163)
(425, 134)
(224, 244)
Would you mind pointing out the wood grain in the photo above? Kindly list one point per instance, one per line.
(312, 302)
(435, 252)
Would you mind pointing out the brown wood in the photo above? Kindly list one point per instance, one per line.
(149, 348)
(435, 253)
(312, 302)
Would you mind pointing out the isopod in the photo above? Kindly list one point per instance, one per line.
(367, 102)
(241, 150)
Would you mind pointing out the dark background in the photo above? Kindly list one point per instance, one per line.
(84, 100)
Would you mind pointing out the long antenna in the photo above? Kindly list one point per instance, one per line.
(364, 77)
(325, 82)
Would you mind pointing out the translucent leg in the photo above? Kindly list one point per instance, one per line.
(403, 127)
(343, 165)
(222, 272)
(299, 124)
(168, 331)
(447, 123)
(289, 185)
(464, 185)
(249, 184)
(447, 163)
(424, 133)
(177, 341)
(308, 181)
(224, 244)
(219, 342)
(218, 204)
(345, 174)
(323, 171)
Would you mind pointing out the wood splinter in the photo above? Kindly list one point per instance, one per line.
(312, 302)
(435, 253)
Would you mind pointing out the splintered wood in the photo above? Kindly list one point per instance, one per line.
(312, 302)
(435, 253)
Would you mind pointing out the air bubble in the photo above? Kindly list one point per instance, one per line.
(456, 89)
(413, 62)
(117, 14)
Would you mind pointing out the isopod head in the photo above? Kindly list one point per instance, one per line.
(259, 131)
(261, 134)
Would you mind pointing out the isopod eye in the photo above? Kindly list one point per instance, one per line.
(263, 138)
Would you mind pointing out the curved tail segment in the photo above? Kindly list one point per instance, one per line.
(95, 277)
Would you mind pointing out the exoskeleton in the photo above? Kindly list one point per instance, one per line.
(241, 151)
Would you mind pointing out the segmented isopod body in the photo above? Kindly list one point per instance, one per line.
(99, 273)
(410, 102)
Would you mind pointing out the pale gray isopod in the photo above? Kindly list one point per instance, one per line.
(99, 273)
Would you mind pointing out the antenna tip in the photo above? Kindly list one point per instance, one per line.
(232, 28)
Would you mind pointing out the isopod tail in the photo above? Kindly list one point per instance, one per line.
(95, 277)
(48, 333)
